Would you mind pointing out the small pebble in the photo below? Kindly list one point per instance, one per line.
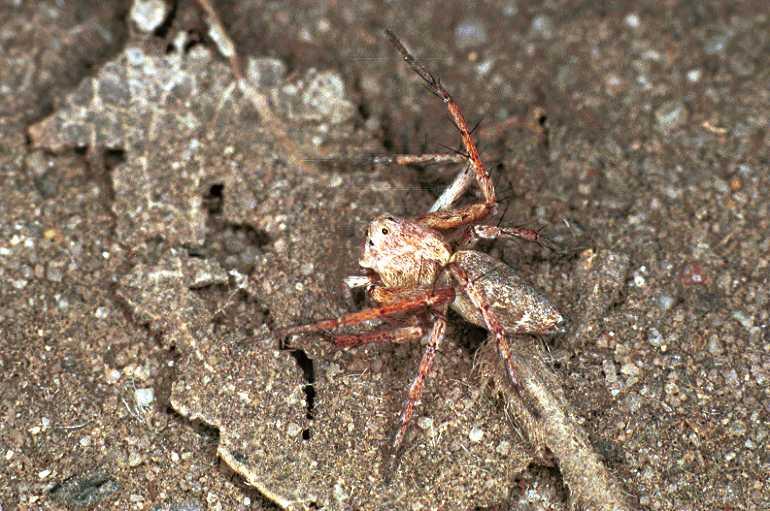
(745, 321)
(632, 20)
(144, 397)
(44, 473)
(630, 369)
(54, 272)
(654, 337)
(425, 422)
(543, 26)
(134, 459)
(293, 429)
(476, 434)
(717, 43)
(113, 376)
(665, 301)
(610, 376)
(503, 448)
(671, 115)
(148, 14)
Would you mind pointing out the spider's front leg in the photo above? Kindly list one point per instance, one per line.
(419, 300)
(415, 389)
(450, 219)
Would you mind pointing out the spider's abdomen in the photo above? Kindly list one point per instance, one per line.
(520, 307)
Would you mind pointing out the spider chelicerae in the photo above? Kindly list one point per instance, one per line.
(415, 269)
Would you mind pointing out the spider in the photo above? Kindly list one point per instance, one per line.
(425, 265)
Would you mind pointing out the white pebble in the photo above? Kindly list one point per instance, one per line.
(293, 429)
(148, 14)
(144, 397)
(632, 20)
(134, 459)
(693, 75)
(476, 434)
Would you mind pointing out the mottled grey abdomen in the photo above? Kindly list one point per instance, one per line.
(520, 308)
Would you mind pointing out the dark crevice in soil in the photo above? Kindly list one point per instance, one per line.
(306, 364)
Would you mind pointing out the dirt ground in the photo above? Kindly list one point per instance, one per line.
(159, 219)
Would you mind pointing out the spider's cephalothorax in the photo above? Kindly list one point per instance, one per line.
(403, 253)
(406, 255)
(420, 267)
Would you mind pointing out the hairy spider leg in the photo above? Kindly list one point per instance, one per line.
(455, 190)
(450, 219)
(415, 389)
(380, 335)
(474, 233)
(420, 300)
(417, 159)
(492, 322)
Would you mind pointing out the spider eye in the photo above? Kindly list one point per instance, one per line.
(385, 230)
(371, 243)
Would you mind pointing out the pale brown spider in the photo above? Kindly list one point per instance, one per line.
(422, 266)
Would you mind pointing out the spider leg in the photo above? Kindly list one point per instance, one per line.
(415, 389)
(420, 300)
(475, 212)
(380, 335)
(416, 159)
(474, 233)
(455, 190)
(493, 324)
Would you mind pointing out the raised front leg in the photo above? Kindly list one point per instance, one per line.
(450, 219)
